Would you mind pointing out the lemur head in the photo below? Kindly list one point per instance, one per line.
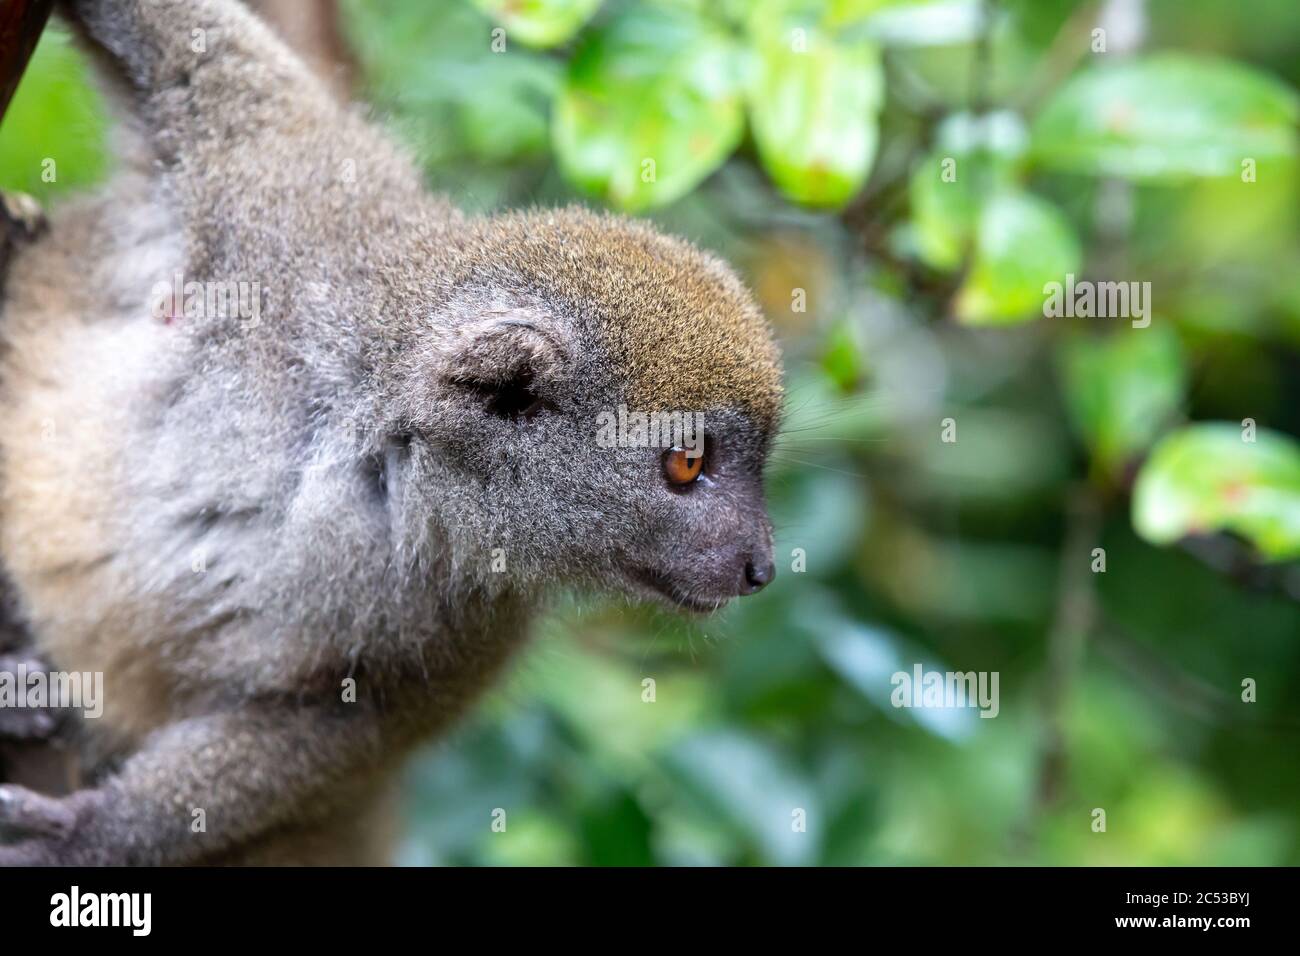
(596, 408)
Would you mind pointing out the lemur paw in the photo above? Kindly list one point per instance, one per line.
(42, 824)
(50, 831)
(27, 723)
(26, 811)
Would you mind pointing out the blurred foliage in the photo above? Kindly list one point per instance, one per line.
(682, 76)
(1205, 478)
(53, 137)
(900, 180)
(1165, 117)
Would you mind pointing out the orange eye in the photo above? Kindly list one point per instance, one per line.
(680, 468)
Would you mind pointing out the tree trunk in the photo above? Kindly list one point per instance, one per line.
(21, 23)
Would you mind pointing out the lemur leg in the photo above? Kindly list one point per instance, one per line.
(198, 788)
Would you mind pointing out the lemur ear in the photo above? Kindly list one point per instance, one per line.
(510, 360)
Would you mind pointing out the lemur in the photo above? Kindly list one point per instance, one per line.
(370, 477)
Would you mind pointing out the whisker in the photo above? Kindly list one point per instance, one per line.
(813, 464)
(865, 441)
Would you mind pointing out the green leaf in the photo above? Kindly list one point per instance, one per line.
(652, 104)
(844, 359)
(813, 102)
(1166, 117)
(945, 212)
(867, 657)
(53, 137)
(974, 158)
(748, 784)
(913, 22)
(1206, 478)
(616, 832)
(1000, 134)
(592, 693)
(1022, 243)
(539, 23)
(433, 70)
(1121, 389)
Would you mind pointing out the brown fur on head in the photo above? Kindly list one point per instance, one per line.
(546, 325)
(680, 325)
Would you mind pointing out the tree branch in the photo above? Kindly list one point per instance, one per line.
(21, 23)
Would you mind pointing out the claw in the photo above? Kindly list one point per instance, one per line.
(21, 216)
(21, 221)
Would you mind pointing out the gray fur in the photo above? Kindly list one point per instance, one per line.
(231, 518)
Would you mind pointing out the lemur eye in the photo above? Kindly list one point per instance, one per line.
(681, 468)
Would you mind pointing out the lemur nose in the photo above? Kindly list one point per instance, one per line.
(757, 576)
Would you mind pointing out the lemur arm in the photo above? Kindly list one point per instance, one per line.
(252, 148)
(198, 788)
(197, 68)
